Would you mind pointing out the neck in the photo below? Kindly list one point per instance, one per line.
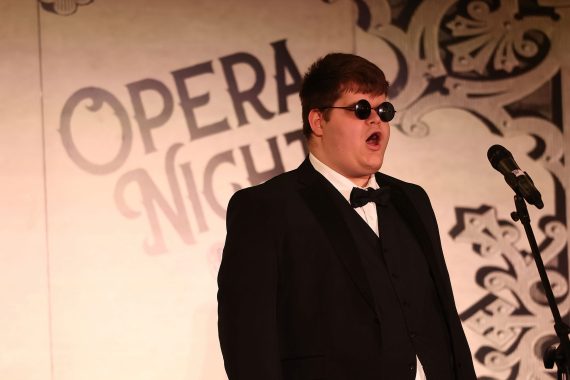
(360, 181)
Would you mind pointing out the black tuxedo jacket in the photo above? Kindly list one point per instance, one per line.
(293, 299)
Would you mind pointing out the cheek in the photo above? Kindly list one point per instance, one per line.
(339, 140)
(387, 134)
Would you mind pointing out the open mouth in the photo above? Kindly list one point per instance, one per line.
(373, 139)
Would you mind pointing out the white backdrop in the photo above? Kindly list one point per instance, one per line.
(126, 126)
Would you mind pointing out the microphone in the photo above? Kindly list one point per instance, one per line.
(502, 160)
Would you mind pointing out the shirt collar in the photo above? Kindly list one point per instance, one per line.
(340, 182)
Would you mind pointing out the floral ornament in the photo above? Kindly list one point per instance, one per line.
(513, 318)
(465, 55)
(63, 7)
(495, 39)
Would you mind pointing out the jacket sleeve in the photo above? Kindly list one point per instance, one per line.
(247, 292)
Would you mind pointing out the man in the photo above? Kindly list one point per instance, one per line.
(316, 283)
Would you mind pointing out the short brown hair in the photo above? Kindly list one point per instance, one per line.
(334, 74)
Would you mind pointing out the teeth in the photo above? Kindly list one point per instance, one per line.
(373, 137)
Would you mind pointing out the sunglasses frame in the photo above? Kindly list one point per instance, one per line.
(362, 110)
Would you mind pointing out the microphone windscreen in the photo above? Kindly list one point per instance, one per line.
(496, 154)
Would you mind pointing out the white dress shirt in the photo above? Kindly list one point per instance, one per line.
(366, 212)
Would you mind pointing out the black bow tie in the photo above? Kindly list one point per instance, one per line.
(359, 197)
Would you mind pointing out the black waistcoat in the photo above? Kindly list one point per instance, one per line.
(410, 313)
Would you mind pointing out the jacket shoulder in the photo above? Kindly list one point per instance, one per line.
(385, 179)
(278, 187)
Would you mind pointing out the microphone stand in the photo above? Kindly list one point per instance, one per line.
(560, 354)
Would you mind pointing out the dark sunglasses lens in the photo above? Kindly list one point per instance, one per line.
(386, 111)
(362, 109)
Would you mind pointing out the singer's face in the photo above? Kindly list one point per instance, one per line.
(352, 147)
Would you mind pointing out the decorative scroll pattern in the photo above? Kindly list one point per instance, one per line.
(63, 7)
(514, 317)
(501, 61)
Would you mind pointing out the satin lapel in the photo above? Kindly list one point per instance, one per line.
(413, 219)
(318, 194)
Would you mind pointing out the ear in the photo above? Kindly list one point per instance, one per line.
(316, 120)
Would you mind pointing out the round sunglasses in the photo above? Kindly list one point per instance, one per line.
(362, 110)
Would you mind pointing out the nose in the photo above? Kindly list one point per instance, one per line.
(374, 117)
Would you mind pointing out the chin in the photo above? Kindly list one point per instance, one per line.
(375, 166)
(372, 169)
